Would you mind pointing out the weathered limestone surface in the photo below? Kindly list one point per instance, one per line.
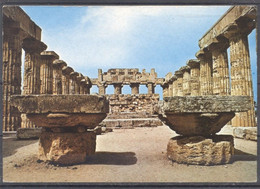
(186, 80)
(66, 79)
(248, 133)
(44, 104)
(199, 150)
(194, 76)
(179, 75)
(57, 76)
(28, 133)
(60, 147)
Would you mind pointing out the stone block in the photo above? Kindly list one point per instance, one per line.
(66, 148)
(199, 150)
(28, 133)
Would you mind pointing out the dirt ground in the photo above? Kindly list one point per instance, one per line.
(127, 155)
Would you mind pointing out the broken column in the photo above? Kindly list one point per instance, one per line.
(186, 80)
(68, 122)
(134, 88)
(31, 79)
(46, 71)
(57, 76)
(197, 119)
(66, 71)
(194, 77)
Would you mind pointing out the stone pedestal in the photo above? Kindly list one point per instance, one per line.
(198, 150)
(66, 148)
(65, 121)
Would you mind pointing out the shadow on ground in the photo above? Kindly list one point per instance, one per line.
(10, 145)
(112, 158)
(243, 156)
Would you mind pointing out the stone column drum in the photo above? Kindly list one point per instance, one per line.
(194, 76)
(46, 71)
(197, 119)
(67, 121)
(66, 79)
(57, 76)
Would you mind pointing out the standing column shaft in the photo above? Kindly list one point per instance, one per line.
(186, 80)
(46, 71)
(118, 88)
(165, 87)
(57, 76)
(241, 77)
(31, 79)
(170, 88)
(102, 89)
(174, 86)
(72, 84)
(194, 77)
(206, 74)
(12, 51)
(66, 79)
(221, 84)
(150, 87)
(179, 75)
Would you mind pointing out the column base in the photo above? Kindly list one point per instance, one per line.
(199, 150)
(66, 148)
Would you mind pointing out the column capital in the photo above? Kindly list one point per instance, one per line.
(185, 69)
(193, 63)
(73, 75)
(49, 55)
(59, 64)
(178, 73)
(67, 70)
(32, 45)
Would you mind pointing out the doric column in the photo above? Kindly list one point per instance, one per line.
(186, 80)
(205, 73)
(31, 79)
(170, 88)
(179, 75)
(174, 85)
(46, 71)
(102, 88)
(88, 85)
(241, 77)
(165, 87)
(66, 79)
(57, 76)
(220, 70)
(72, 83)
(11, 75)
(134, 88)
(83, 86)
(78, 83)
(150, 87)
(194, 76)
(118, 88)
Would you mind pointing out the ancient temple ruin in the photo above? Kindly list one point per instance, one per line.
(202, 79)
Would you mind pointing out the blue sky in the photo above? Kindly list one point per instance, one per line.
(144, 37)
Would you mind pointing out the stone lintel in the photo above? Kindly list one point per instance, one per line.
(67, 70)
(33, 45)
(206, 104)
(193, 63)
(40, 104)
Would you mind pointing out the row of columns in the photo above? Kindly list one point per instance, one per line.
(209, 74)
(118, 88)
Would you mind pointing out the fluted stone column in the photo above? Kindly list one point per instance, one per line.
(186, 80)
(102, 88)
(179, 75)
(57, 76)
(88, 85)
(241, 77)
(194, 77)
(170, 88)
(31, 79)
(165, 87)
(205, 73)
(66, 79)
(46, 71)
(150, 87)
(83, 86)
(174, 85)
(134, 88)
(78, 82)
(11, 75)
(72, 83)
(118, 88)
(221, 84)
